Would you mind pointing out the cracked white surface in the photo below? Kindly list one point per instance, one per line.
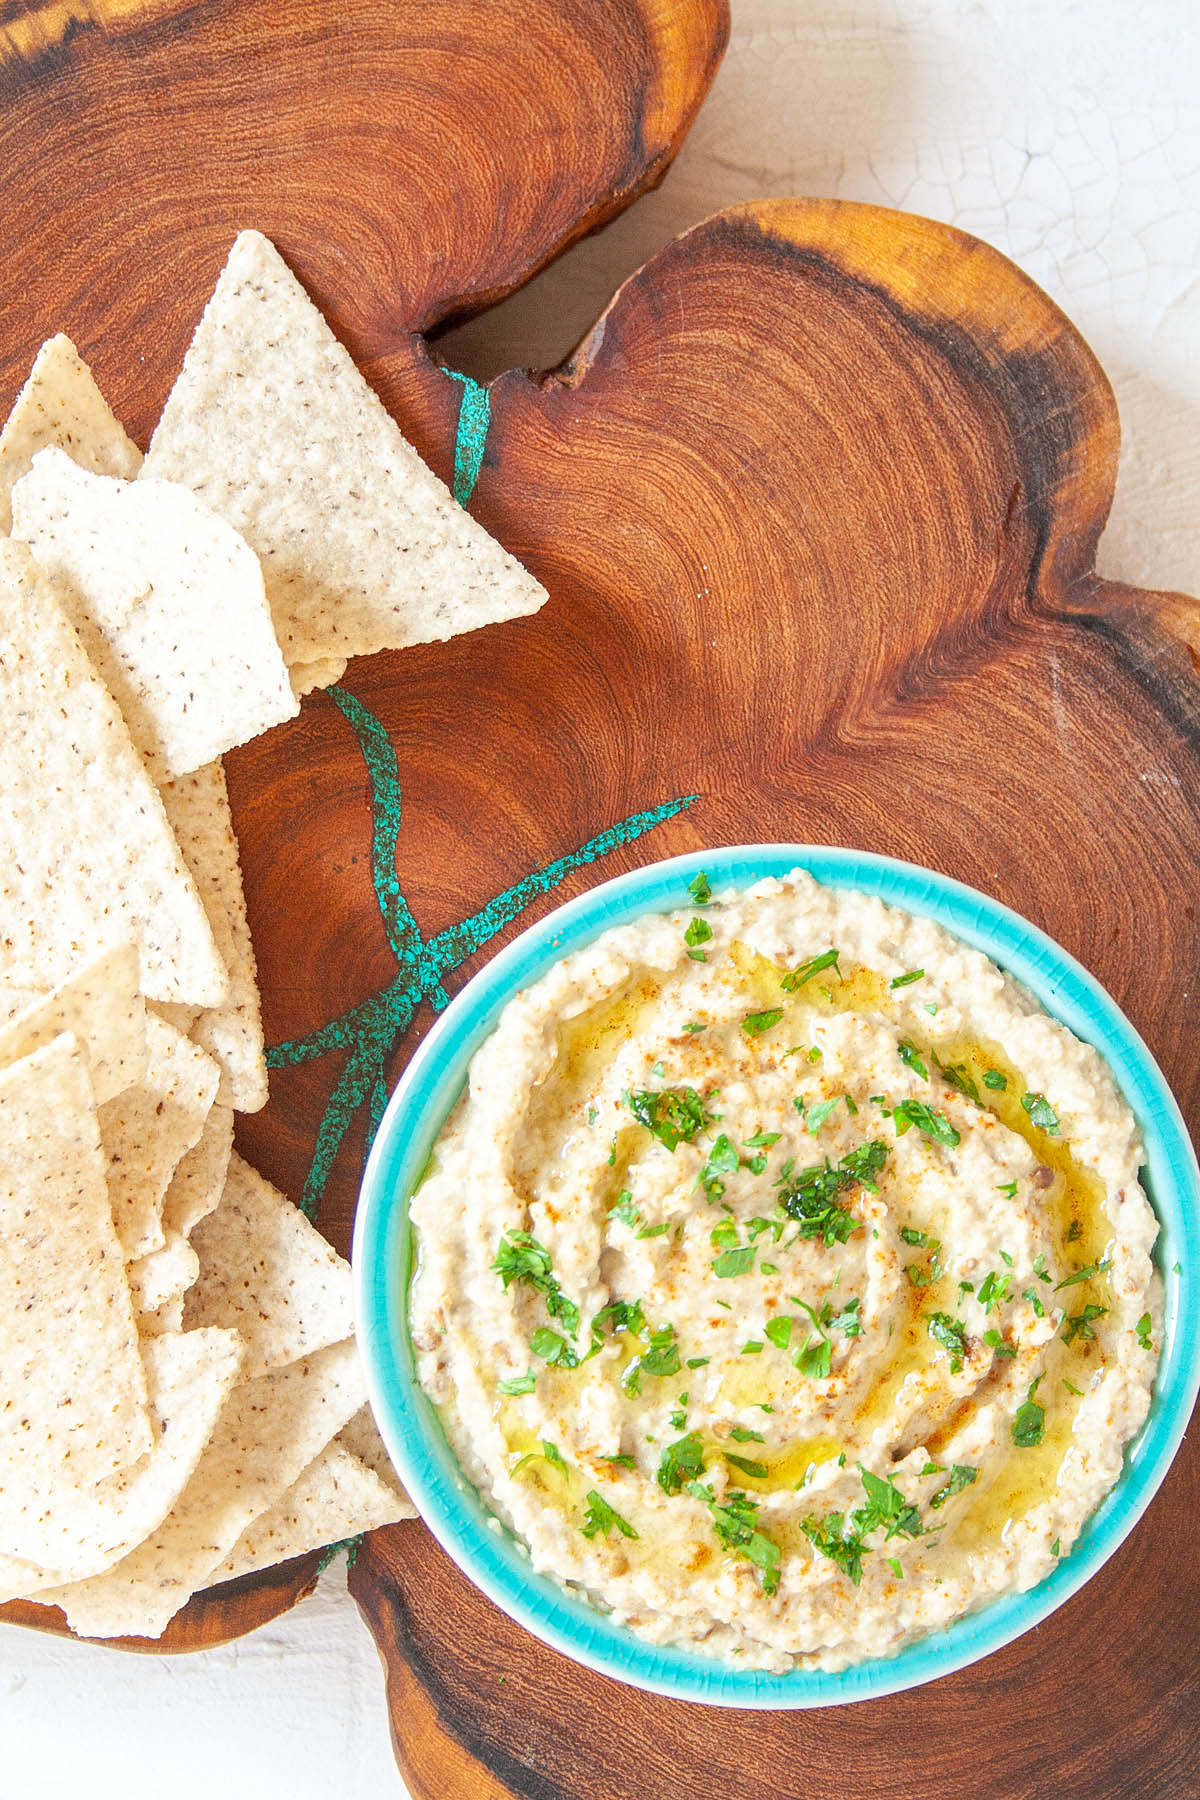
(1067, 134)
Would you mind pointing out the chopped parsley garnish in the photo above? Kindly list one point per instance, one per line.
(1087, 1273)
(955, 1075)
(1072, 1389)
(930, 1124)
(620, 1315)
(767, 1268)
(1040, 1269)
(893, 1563)
(762, 1140)
(951, 1334)
(722, 1159)
(1041, 1113)
(681, 1463)
(602, 1518)
(553, 1348)
(1143, 1331)
(592, 1115)
(734, 1523)
(625, 1210)
(752, 1347)
(810, 1197)
(992, 1078)
(1056, 1547)
(818, 1114)
(519, 1384)
(653, 1231)
(746, 1465)
(910, 1057)
(1008, 1189)
(847, 1321)
(661, 1357)
(1080, 1325)
(961, 1476)
(699, 889)
(735, 1262)
(698, 1362)
(694, 1025)
(995, 1342)
(993, 1290)
(1029, 1421)
(699, 931)
(886, 1506)
(796, 978)
(519, 1257)
(900, 981)
(1074, 1231)
(754, 1024)
(554, 1456)
(814, 1055)
(910, 1236)
(740, 1435)
(815, 1359)
(779, 1331)
(1035, 1300)
(835, 1537)
(673, 1115)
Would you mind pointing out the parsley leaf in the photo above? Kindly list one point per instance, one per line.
(746, 1465)
(722, 1159)
(1029, 1421)
(555, 1457)
(601, 1518)
(553, 1348)
(961, 1476)
(762, 1140)
(906, 980)
(993, 1290)
(818, 1114)
(911, 1059)
(734, 1262)
(1087, 1273)
(810, 1197)
(930, 1124)
(1143, 1331)
(886, 1506)
(815, 1359)
(754, 1024)
(519, 1257)
(1079, 1325)
(779, 1331)
(992, 1078)
(699, 889)
(951, 1334)
(909, 1236)
(1041, 1113)
(681, 1463)
(699, 931)
(835, 1537)
(734, 1523)
(740, 1435)
(1008, 1189)
(519, 1384)
(625, 1210)
(673, 1115)
(796, 978)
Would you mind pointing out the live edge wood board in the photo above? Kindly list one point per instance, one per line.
(817, 504)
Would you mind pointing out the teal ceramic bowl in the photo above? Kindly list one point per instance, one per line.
(431, 1084)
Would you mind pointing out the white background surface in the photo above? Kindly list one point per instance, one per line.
(1067, 133)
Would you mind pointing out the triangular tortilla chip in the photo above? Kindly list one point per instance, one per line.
(198, 807)
(190, 1375)
(162, 1276)
(361, 1437)
(269, 1430)
(72, 1385)
(199, 1181)
(362, 547)
(336, 1497)
(100, 866)
(61, 404)
(149, 1129)
(102, 1009)
(169, 603)
(268, 1273)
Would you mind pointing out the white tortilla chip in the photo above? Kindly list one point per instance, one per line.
(162, 1276)
(198, 807)
(268, 1432)
(169, 603)
(304, 677)
(268, 1273)
(362, 547)
(199, 1181)
(336, 1497)
(361, 1437)
(166, 1319)
(190, 1376)
(148, 1130)
(87, 859)
(61, 404)
(72, 1385)
(102, 1009)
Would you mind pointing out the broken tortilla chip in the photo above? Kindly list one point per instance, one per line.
(336, 1497)
(100, 1006)
(199, 1181)
(60, 404)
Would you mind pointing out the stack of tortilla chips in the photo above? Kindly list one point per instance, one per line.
(181, 1400)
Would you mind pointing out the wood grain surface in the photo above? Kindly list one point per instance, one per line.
(817, 505)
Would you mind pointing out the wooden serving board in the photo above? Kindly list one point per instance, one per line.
(817, 504)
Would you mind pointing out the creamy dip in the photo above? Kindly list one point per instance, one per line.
(784, 1279)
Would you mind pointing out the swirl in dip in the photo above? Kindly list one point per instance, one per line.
(784, 1279)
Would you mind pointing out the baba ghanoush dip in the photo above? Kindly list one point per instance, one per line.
(783, 1277)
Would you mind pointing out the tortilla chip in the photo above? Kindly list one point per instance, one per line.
(268, 1273)
(162, 1276)
(170, 606)
(149, 1129)
(166, 1319)
(197, 806)
(361, 1437)
(336, 1497)
(362, 547)
(304, 677)
(190, 1376)
(102, 1009)
(61, 404)
(72, 1385)
(199, 1181)
(268, 1432)
(87, 859)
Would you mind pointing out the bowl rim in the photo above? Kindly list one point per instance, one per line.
(476, 1541)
